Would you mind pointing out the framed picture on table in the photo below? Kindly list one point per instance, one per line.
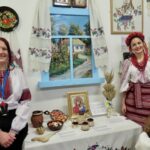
(126, 16)
(79, 3)
(62, 3)
(78, 103)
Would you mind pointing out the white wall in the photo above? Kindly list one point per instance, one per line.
(56, 98)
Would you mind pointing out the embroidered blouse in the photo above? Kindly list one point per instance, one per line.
(131, 74)
(18, 97)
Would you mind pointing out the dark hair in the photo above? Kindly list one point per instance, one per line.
(8, 49)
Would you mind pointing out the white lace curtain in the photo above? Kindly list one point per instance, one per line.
(40, 43)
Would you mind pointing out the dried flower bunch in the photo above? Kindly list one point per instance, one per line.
(109, 89)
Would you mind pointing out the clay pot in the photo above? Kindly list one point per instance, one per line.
(37, 118)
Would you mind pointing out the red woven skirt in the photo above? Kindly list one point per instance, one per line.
(138, 102)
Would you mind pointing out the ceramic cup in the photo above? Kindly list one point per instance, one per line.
(75, 124)
(91, 122)
(85, 126)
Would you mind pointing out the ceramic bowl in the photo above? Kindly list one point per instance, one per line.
(55, 125)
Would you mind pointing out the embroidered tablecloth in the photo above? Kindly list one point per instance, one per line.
(115, 133)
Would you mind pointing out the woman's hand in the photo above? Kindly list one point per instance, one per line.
(123, 108)
(6, 139)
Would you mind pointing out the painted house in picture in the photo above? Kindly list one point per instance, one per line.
(60, 62)
(78, 45)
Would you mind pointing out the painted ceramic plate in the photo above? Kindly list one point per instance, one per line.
(9, 19)
(58, 115)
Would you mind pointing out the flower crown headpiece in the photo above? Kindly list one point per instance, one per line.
(133, 35)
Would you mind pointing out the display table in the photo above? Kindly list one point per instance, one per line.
(115, 133)
(143, 142)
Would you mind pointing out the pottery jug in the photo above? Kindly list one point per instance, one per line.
(37, 118)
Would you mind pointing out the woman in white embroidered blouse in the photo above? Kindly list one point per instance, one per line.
(135, 80)
(15, 97)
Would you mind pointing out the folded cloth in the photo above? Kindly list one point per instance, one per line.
(143, 142)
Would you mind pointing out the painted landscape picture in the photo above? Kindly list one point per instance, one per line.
(69, 43)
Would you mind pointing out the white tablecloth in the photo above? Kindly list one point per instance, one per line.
(113, 133)
(143, 142)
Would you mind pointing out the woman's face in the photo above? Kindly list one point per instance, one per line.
(3, 53)
(137, 45)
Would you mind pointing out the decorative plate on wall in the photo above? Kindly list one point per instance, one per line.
(9, 19)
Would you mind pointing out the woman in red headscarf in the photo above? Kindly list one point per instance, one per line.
(135, 80)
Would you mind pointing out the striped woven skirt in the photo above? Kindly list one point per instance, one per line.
(138, 102)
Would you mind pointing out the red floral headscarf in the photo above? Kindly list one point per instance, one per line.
(134, 61)
(133, 35)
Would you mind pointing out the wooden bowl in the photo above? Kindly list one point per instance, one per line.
(55, 125)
